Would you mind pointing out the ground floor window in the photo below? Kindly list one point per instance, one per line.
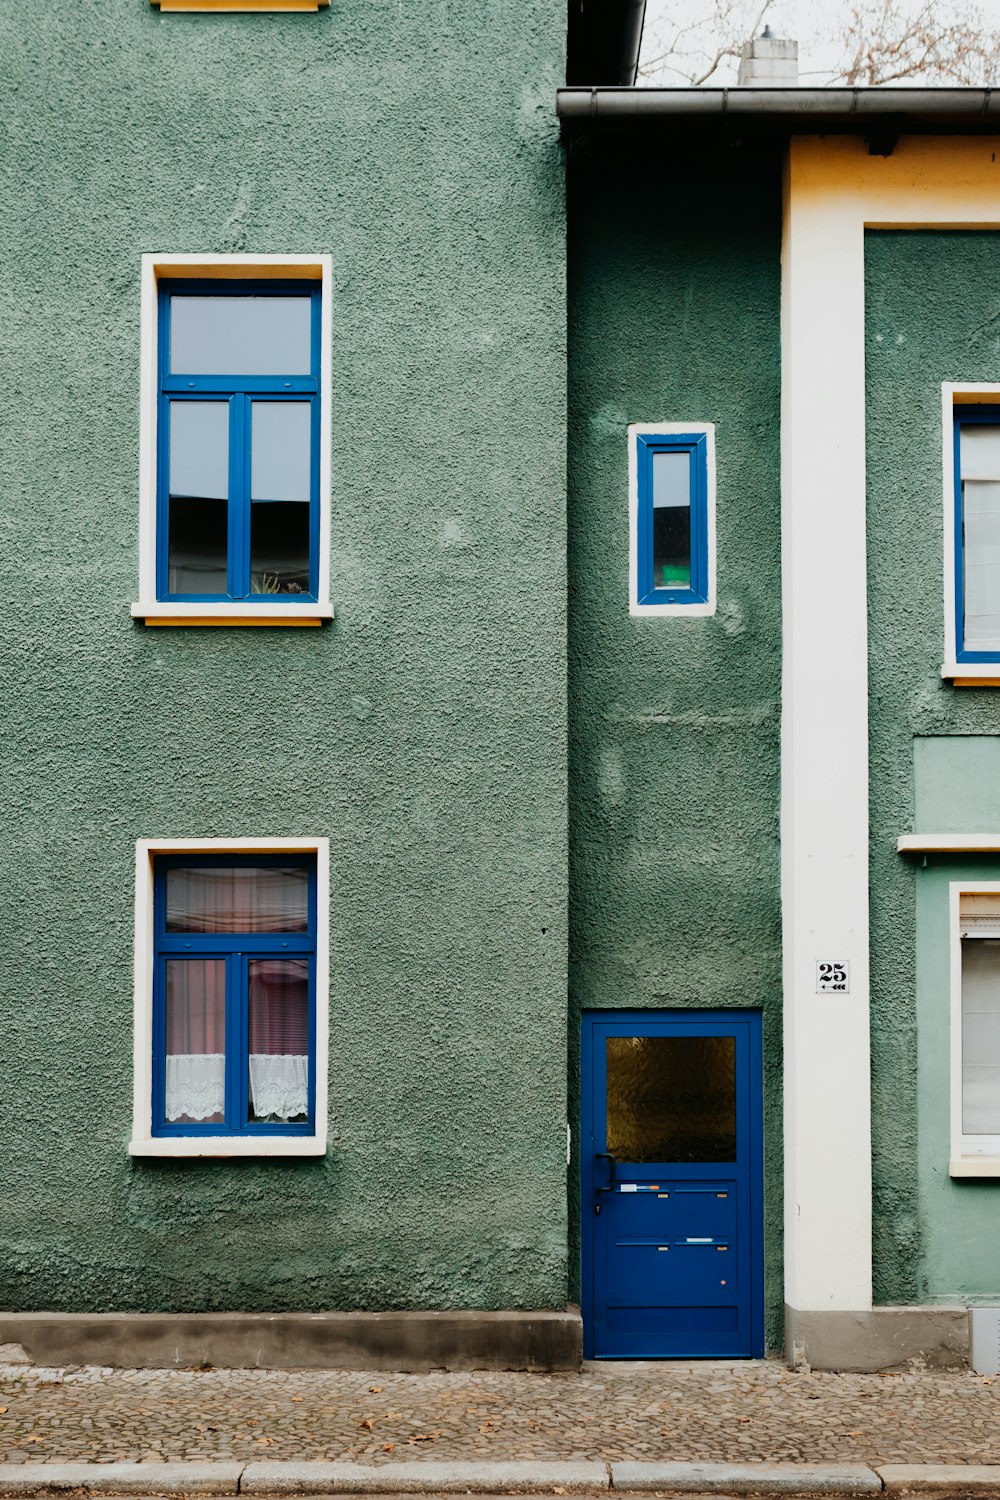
(229, 983)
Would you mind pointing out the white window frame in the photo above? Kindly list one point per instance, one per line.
(156, 268)
(669, 429)
(971, 1155)
(143, 1142)
(959, 393)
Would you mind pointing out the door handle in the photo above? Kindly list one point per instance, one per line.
(612, 1180)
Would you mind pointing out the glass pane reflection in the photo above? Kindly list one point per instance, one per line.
(671, 520)
(279, 1038)
(980, 459)
(238, 899)
(198, 522)
(240, 335)
(195, 1082)
(671, 1098)
(280, 482)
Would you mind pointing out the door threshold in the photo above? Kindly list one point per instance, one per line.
(630, 1366)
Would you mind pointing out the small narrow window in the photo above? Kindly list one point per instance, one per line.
(976, 1027)
(234, 995)
(672, 520)
(238, 464)
(977, 533)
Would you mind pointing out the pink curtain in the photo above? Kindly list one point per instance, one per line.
(279, 1006)
(196, 1005)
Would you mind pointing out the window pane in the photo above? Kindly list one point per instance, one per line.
(241, 899)
(981, 1036)
(671, 1098)
(240, 335)
(195, 1085)
(279, 1038)
(199, 490)
(980, 462)
(671, 520)
(280, 472)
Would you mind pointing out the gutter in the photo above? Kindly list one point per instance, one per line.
(800, 109)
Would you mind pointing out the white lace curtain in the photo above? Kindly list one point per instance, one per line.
(196, 1085)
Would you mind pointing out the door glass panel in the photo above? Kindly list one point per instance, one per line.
(280, 474)
(980, 459)
(671, 520)
(981, 1036)
(195, 1084)
(671, 1098)
(199, 497)
(240, 335)
(279, 1039)
(243, 899)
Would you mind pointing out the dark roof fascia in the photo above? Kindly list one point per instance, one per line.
(881, 115)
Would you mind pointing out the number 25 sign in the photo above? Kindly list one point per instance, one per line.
(833, 978)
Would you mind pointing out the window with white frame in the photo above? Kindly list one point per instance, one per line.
(235, 440)
(230, 986)
(671, 518)
(975, 1023)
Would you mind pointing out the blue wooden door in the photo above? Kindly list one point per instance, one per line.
(671, 1177)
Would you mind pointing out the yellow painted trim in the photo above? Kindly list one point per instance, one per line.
(239, 5)
(227, 620)
(216, 270)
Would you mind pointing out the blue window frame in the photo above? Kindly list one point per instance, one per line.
(672, 518)
(238, 423)
(977, 533)
(234, 995)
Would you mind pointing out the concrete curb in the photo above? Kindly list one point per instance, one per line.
(276, 1478)
(216, 1478)
(747, 1479)
(426, 1477)
(940, 1479)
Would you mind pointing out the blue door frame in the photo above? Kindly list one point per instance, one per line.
(672, 1250)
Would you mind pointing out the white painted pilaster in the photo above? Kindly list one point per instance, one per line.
(824, 797)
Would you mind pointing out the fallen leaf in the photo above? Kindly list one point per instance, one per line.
(375, 1390)
(425, 1437)
(744, 1419)
(34, 1438)
(263, 1442)
(298, 1398)
(2, 1410)
(367, 1422)
(387, 1447)
(859, 1433)
(391, 1416)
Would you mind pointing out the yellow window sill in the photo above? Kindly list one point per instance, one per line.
(239, 5)
(158, 613)
(971, 674)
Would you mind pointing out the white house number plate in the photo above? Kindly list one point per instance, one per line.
(833, 978)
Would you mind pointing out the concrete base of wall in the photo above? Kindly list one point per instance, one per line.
(285, 1341)
(878, 1338)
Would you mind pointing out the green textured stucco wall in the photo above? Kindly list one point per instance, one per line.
(424, 732)
(932, 314)
(674, 724)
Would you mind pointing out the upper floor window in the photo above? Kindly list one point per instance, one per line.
(977, 533)
(672, 518)
(238, 492)
(235, 450)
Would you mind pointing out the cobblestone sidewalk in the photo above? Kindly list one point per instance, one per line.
(740, 1412)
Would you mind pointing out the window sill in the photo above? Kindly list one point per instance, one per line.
(229, 1145)
(156, 612)
(974, 1166)
(239, 5)
(972, 673)
(694, 610)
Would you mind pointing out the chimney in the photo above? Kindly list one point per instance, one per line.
(769, 62)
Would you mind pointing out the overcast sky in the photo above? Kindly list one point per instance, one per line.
(813, 23)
